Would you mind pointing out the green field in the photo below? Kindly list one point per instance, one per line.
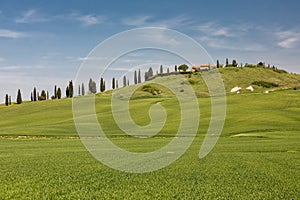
(256, 157)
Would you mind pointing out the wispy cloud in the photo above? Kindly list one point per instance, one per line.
(148, 20)
(5, 33)
(30, 16)
(88, 19)
(288, 39)
(137, 21)
(19, 67)
(214, 29)
(2, 59)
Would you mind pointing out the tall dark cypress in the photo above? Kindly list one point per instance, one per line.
(82, 90)
(67, 92)
(19, 97)
(135, 77)
(55, 92)
(58, 93)
(139, 76)
(6, 99)
(34, 94)
(113, 84)
(124, 81)
(71, 90)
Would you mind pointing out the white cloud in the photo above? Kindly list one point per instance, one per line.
(30, 16)
(137, 21)
(288, 43)
(11, 34)
(214, 29)
(288, 39)
(150, 21)
(2, 59)
(89, 19)
(19, 67)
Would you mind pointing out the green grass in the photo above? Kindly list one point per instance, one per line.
(257, 156)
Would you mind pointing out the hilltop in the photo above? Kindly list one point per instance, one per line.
(260, 78)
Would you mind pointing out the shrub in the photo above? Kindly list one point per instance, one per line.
(265, 84)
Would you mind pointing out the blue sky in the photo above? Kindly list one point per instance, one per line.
(42, 43)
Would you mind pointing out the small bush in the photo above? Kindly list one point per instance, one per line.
(265, 84)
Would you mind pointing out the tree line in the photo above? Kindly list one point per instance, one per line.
(92, 88)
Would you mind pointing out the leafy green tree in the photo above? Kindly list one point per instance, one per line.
(139, 76)
(234, 63)
(92, 86)
(71, 89)
(146, 76)
(183, 67)
(58, 93)
(6, 99)
(43, 96)
(150, 72)
(19, 97)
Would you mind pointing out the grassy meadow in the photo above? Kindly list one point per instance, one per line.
(256, 157)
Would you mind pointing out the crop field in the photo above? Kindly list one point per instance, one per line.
(256, 157)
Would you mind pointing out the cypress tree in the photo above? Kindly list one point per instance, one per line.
(175, 68)
(146, 76)
(168, 70)
(113, 83)
(135, 77)
(9, 100)
(82, 90)
(19, 97)
(79, 90)
(161, 69)
(31, 96)
(34, 94)
(67, 92)
(58, 93)
(47, 95)
(218, 64)
(226, 62)
(124, 81)
(71, 90)
(6, 99)
(102, 85)
(55, 92)
(117, 84)
(139, 76)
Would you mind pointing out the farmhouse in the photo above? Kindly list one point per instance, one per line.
(203, 67)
